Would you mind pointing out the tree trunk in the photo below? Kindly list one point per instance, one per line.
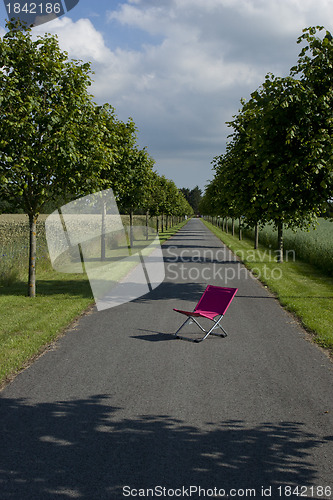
(226, 225)
(157, 224)
(256, 237)
(240, 229)
(162, 223)
(233, 227)
(32, 255)
(280, 242)
(131, 228)
(147, 224)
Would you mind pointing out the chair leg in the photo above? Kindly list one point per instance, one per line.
(186, 321)
(197, 323)
(210, 332)
(217, 324)
(189, 319)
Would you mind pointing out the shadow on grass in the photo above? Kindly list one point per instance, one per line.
(85, 449)
(69, 287)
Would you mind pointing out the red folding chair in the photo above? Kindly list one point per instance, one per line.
(214, 302)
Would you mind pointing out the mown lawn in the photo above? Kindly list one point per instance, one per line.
(302, 288)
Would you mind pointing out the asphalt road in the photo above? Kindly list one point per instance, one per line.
(119, 406)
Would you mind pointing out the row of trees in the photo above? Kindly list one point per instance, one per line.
(56, 144)
(278, 165)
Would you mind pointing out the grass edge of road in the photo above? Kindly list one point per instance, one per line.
(30, 327)
(290, 282)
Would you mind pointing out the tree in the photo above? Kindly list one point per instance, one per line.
(193, 196)
(172, 200)
(211, 202)
(181, 206)
(158, 199)
(119, 140)
(48, 131)
(137, 176)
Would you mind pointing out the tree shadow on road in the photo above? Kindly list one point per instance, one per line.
(172, 290)
(86, 449)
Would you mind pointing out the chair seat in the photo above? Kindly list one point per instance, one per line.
(198, 314)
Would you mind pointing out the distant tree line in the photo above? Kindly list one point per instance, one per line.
(193, 196)
(278, 165)
(56, 144)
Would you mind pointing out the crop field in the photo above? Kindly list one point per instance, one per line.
(14, 246)
(314, 246)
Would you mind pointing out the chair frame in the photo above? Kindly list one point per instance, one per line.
(192, 318)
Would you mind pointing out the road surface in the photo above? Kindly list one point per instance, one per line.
(121, 409)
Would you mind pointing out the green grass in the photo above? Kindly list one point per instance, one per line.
(28, 326)
(302, 288)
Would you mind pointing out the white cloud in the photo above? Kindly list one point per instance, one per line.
(80, 39)
(200, 58)
(152, 20)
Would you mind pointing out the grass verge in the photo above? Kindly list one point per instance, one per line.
(300, 287)
(28, 326)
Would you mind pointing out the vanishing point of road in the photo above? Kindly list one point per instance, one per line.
(119, 408)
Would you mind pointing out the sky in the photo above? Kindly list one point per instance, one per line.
(179, 68)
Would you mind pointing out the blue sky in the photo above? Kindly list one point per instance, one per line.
(180, 67)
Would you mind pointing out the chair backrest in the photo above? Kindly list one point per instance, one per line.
(216, 299)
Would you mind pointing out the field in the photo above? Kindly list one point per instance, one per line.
(314, 246)
(14, 246)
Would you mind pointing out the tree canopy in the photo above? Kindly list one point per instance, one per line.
(193, 197)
